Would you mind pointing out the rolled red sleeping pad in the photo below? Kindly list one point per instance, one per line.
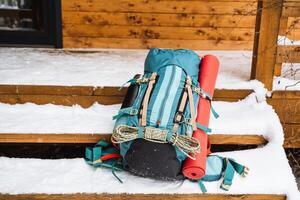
(195, 169)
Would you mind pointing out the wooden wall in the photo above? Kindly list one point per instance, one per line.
(290, 27)
(290, 19)
(194, 24)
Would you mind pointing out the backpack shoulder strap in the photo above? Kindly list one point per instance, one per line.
(144, 107)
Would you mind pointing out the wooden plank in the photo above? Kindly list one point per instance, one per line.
(288, 110)
(293, 22)
(93, 138)
(84, 101)
(288, 54)
(197, 7)
(157, 32)
(71, 95)
(122, 196)
(277, 69)
(288, 11)
(286, 95)
(46, 89)
(61, 90)
(123, 43)
(97, 91)
(293, 34)
(292, 135)
(263, 68)
(283, 25)
(66, 100)
(154, 19)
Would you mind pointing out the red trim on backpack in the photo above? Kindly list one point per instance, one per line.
(110, 156)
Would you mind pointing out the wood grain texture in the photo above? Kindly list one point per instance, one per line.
(293, 34)
(156, 19)
(84, 95)
(96, 91)
(292, 135)
(196, 7)
(265, 51)
(157, 32)
(288, 54)
(124, 43)
(287, 106)
(142, 197)
(66, 100)
(93, 138)
(142, 24)
(277, 69)
(294, 22)
(286, 94)
(287, 109)
(290, 11)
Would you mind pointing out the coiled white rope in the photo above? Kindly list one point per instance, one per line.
(188, 145)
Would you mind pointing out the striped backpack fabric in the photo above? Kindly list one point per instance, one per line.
(158, 124)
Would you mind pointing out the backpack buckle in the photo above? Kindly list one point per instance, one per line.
(178, 117)
(133, 111)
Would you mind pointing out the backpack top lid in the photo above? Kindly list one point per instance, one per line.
(188, 60)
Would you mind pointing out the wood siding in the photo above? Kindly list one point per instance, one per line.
(194, 24)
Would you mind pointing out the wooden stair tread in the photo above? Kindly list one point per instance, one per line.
(143, 196)
(95, 91)
(94, 137)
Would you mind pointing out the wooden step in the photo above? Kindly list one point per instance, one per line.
(142, 197)
(84, 95)
(285, 103)
(93, 138)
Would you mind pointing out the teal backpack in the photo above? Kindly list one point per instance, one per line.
(154, 126)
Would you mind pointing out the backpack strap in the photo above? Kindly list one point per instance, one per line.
(146, 98)
(231, 167)
(191, 101)
(104, 155)
(207, 96)
(179, 113)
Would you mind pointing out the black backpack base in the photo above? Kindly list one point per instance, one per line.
(153, 160)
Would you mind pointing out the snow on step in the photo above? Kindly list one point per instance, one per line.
(270, 174)
(243, 117)
(55, 67)
(269, 169)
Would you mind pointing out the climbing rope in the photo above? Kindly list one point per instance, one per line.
(188, 145)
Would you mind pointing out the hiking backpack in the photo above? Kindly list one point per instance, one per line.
(154, 126)
(157, 126)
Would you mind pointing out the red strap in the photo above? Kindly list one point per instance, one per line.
(110, 156)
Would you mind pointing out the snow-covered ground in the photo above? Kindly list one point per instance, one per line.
(269, 168)
(112, 68)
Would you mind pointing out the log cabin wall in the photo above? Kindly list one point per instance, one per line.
(290, 19)
(134, 24)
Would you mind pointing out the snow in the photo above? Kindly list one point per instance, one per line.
(270, 172)
(281, 83)
(243, 117)
(268, 175)
(283, 40)
(103, 68)
(26, 66)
